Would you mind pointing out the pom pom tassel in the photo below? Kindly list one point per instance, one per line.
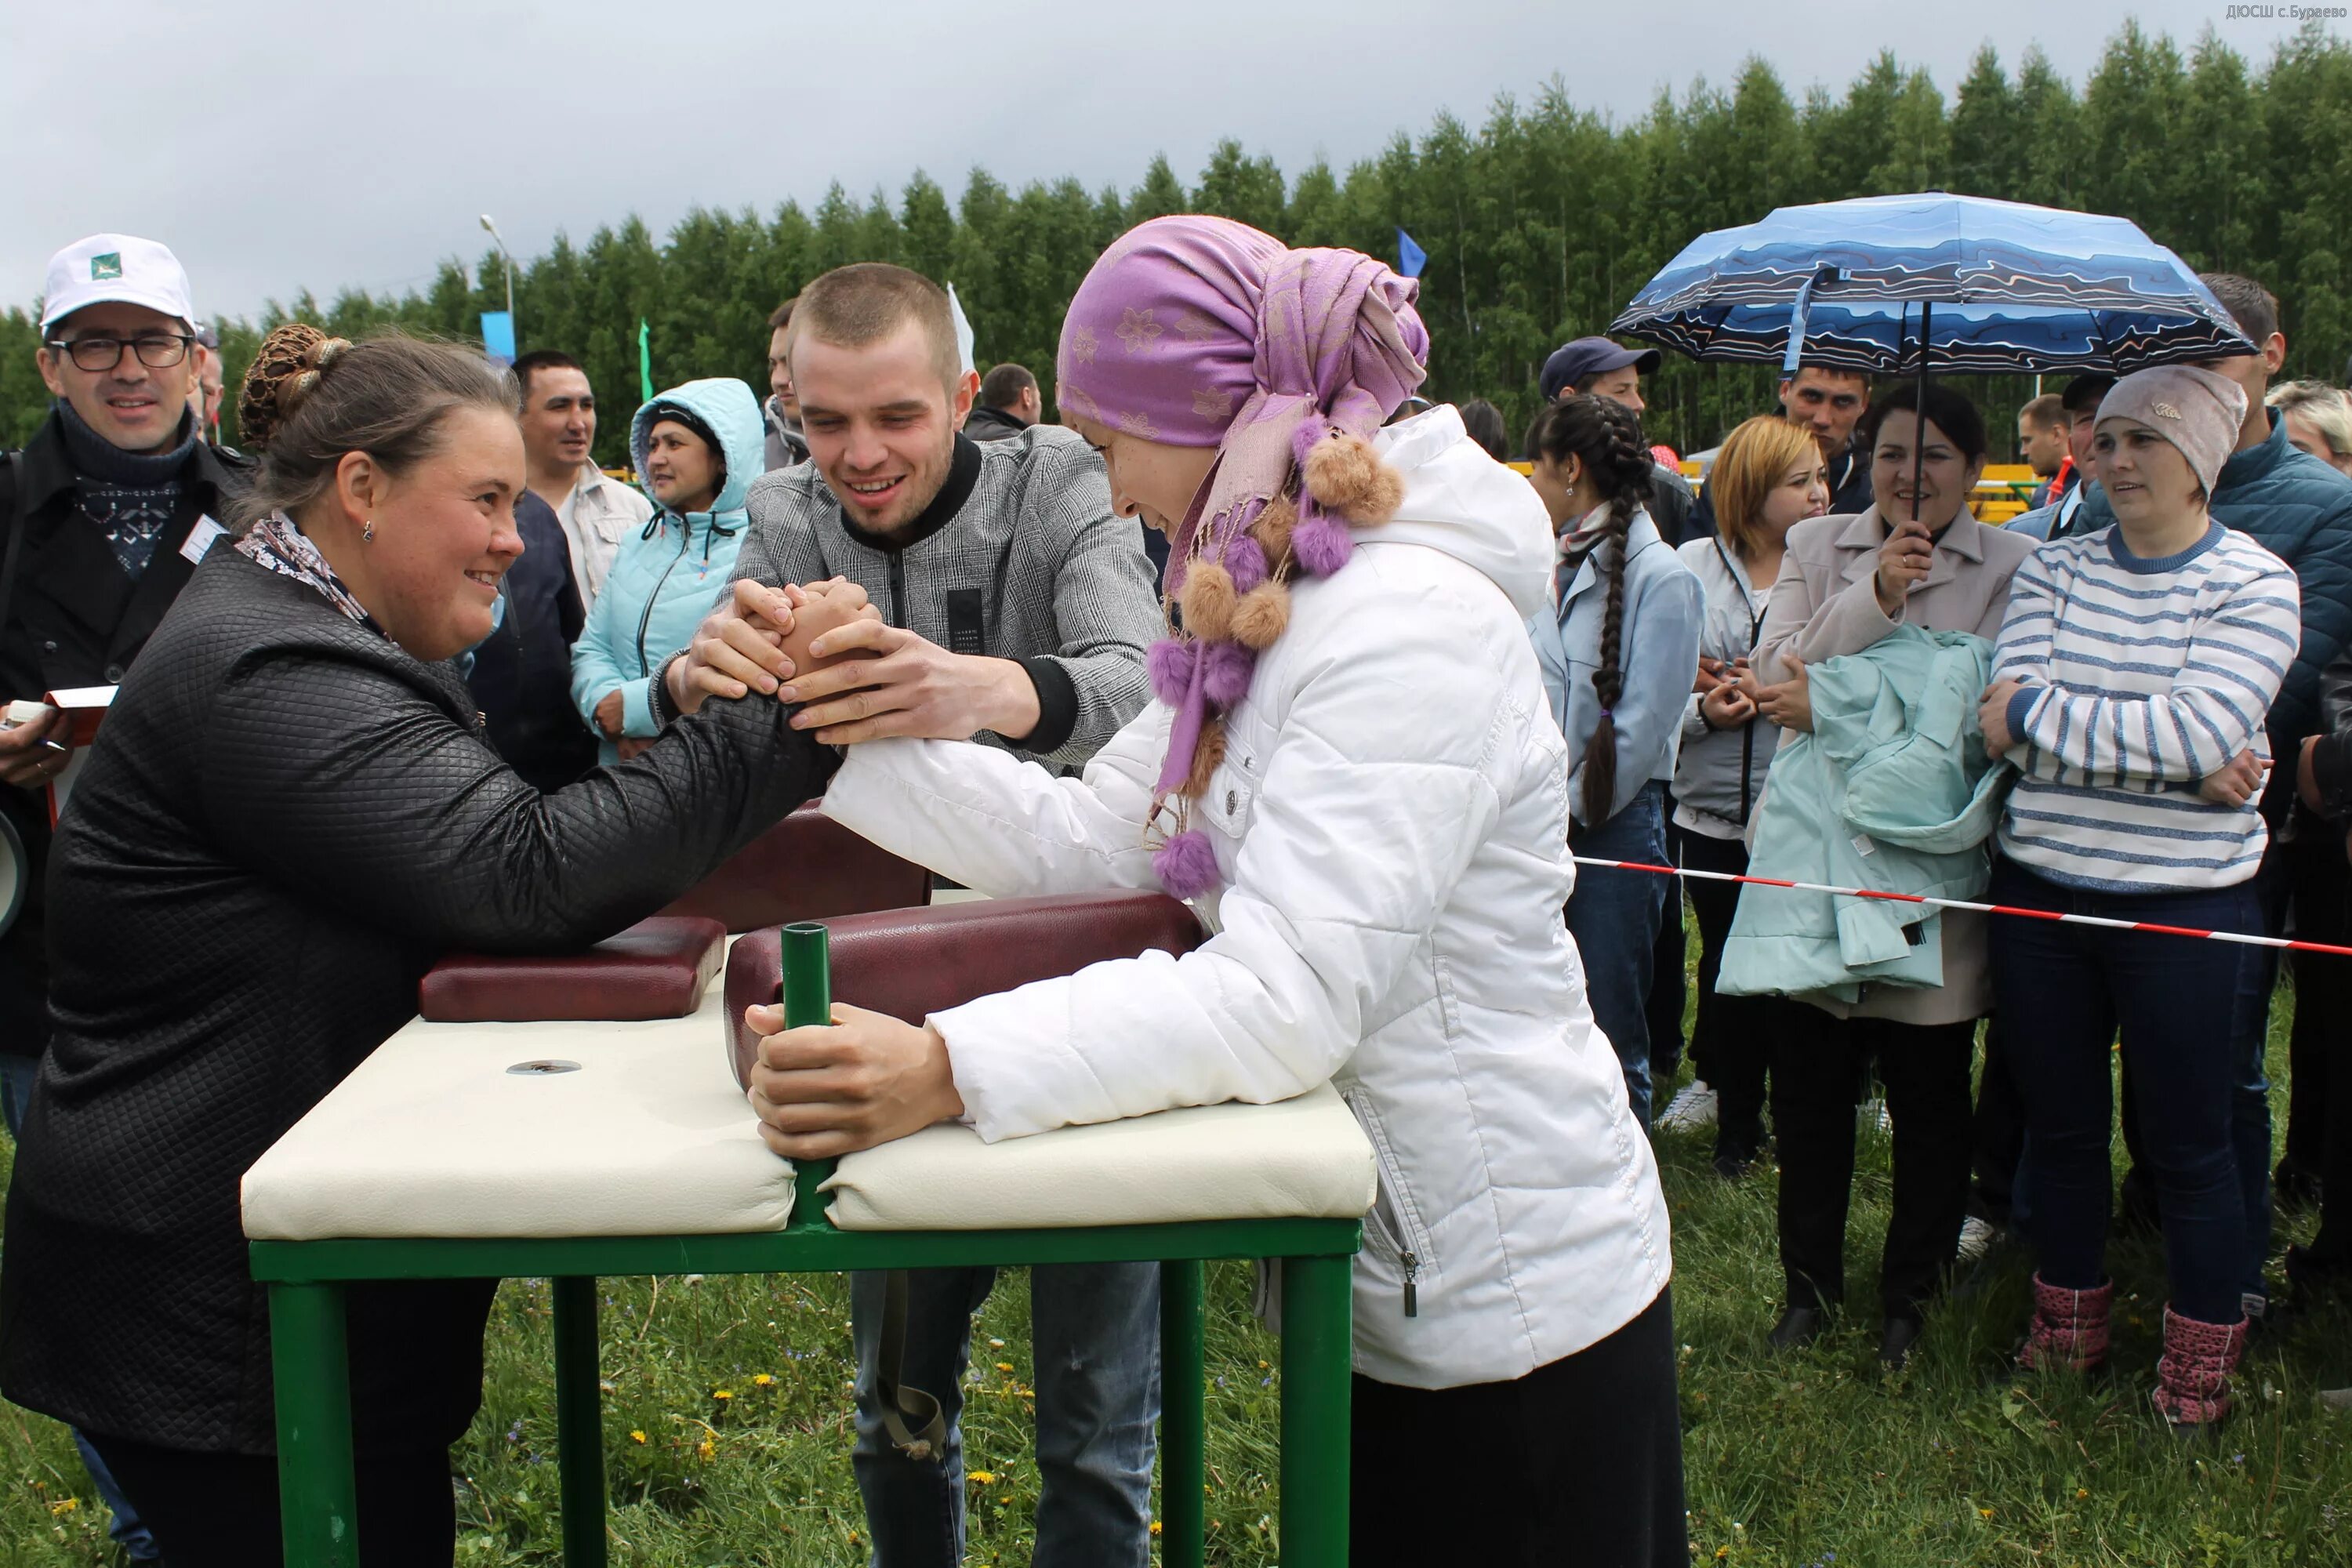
(1245, 563)
(1226, 670)
(1187, 865)
(1322, 544)
(1171, 663)
(1208, 601)
(1345, 474)
(1262, 617)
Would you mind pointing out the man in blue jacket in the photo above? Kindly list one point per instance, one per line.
(2300, 510)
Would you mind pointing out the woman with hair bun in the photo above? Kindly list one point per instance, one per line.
(291, 813)
(1619, 650)
(1353, 770)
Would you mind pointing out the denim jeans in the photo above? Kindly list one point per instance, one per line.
(16, 1076)
(1095, 1330)
(2179, 1002)
(1614, 916)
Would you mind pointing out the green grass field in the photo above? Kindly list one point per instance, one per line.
(726, 1426)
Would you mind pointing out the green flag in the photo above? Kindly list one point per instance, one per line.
(645, 361)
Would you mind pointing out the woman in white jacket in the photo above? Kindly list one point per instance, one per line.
(1354, 772)
(1768, 478)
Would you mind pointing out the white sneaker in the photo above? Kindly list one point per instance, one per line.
(1976, 1237)
(1690, 1110)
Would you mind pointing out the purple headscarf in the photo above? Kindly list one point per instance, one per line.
(1201, 331)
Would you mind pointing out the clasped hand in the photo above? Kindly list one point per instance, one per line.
(876, 679)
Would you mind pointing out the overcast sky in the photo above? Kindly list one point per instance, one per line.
(278, 146)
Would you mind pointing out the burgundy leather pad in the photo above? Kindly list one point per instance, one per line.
(911, 964)
(805, 868)
(656, 969)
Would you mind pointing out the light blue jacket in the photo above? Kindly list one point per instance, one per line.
(1893, 790)
(1657, 649)
(665, 579)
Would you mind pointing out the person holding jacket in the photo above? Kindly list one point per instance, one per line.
(1915, 558)
(697, 447)
(1768, 478)
(1382, 855)
(291, 813)
(1618, 649)
(2134, 668)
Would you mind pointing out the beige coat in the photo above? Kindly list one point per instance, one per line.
(1825, 605)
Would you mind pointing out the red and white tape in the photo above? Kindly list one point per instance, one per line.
(2285, 945)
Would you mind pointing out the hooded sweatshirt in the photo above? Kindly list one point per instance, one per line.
(665, 579)
(1389, 825)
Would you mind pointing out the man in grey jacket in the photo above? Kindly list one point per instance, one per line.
(1015, 608)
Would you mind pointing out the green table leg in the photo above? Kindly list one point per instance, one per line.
(1183, 1416)
(1316, 1330)
(317, 1488)
(579, 1423)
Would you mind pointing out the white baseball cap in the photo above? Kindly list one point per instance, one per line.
(115, 267)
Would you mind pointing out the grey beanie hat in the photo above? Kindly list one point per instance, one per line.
(2196, 410)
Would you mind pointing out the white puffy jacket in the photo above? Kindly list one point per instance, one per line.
(1391, 823)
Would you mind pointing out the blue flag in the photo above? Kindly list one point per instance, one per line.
(1411, 257)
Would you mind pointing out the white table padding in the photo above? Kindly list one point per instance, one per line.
(432, 1136)
(1303, 1158)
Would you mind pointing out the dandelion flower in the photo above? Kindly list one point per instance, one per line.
(64, 1506)
(981, 1478)
(1004, 1366)
(637, 1437)
(762, 1380)
(2081, 1492)
(722, 1394)
(707, 1448)
(1155, 1527)
(1984, 1513)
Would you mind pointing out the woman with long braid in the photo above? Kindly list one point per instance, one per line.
(1619, 648)
(1351, 770)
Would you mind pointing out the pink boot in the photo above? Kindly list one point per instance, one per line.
(2192, 1376)
(2070, 1328)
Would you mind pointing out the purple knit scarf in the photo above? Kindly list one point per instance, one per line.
(1201, 331)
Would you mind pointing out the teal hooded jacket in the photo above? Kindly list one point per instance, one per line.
(666, 580)
(1893, 790)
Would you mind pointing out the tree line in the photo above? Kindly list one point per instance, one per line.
(1538, 224)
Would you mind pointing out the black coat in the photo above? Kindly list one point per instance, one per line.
(284, 821)
(75, 619)
(522, 675)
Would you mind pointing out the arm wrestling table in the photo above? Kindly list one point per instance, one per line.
(568, 1151)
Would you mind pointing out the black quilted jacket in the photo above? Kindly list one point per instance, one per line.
(285, 820)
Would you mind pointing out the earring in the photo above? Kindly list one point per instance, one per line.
(367, 532)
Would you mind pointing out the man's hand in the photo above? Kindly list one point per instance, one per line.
(862, 1080)
(908, 687)
(1993, 716)
(1712, 673)
(611, 711)
(1905, 559)
(27, 760)
(1789, 704)
(2235, 781)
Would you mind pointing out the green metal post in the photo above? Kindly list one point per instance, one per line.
(318, 1493)
(808, 1003)
(1315, 1329)
(1184, 1415)
(579, 1421)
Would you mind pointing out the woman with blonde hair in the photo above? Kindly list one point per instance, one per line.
(1768, 478)
(2318, 419)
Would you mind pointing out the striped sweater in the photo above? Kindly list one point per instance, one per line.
(2142, 676)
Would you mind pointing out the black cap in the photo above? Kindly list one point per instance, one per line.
(1574, 361)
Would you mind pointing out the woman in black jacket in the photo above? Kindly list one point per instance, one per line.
(291, 813)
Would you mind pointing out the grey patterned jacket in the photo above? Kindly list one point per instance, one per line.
(1030, 567)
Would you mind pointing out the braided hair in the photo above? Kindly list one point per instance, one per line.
(1606, 438)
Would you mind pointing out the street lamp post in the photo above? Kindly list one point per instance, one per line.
(499, 240)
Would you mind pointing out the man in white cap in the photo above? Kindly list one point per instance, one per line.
(103, 517)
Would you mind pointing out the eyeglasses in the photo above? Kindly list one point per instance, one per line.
(156, 350)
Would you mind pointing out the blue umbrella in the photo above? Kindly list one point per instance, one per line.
(1985, 286)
